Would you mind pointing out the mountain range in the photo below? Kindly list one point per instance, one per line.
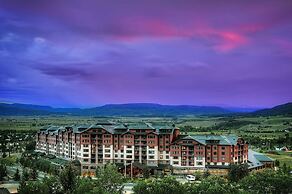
(283, 109)
(136, 109)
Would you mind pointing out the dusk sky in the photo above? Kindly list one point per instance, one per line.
(90, 53)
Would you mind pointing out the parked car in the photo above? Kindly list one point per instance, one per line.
(190, 178)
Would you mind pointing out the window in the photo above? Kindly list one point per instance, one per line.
(151, 152)
(175, 162)
(85, 155)
(151, 157)
(223, 153)
(223, 148)
(199, 163)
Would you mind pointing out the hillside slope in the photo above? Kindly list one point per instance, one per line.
(134, 109)
(283, 109)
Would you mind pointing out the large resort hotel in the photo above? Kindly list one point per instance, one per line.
(145, 145)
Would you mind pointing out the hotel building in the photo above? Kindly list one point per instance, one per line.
(140, 143)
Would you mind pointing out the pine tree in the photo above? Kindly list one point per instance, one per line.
(3, 171)
(34, 174)
(16, 175)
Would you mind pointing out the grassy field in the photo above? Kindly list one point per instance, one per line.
(262, 132)
(283, 157)
(264, 128)
(258, 126)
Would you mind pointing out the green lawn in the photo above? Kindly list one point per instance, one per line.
(283, 157)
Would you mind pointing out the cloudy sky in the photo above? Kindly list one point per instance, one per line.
(87, 53)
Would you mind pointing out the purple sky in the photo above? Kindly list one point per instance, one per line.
(86, 53)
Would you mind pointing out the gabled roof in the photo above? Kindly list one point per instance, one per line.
(80, 128)
(113, 128)
(256, 159)
(207, 139)
(139, 126)
(222, 139)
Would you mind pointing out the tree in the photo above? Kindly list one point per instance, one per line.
(68, 179)
(3, 149)
(237, 172)
(53, 183)
(16, 176)
(285, 169)
(267, 181)
(30, 146)
(85, 185)
(32, 187)
(277, 163)
(198, 175)
(34, 174)
(206, 173)
(49, 185)
(4, 155)
(146, 173)
(166, 185)
(25, 175)
(211, 185)
(109, 178)
(3, 171)
(143, 187)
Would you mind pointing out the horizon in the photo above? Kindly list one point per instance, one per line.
(84, 54)
(100, 105)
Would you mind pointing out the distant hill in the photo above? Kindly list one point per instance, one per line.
(283, 109)
(148, 109)
(133, 109)
(21, 110)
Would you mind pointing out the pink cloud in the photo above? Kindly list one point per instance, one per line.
(224, 40)
(230, 41)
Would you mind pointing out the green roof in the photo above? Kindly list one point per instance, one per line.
(113, 128)
(221, 139)
(255, 159)
(263, 158)
(139, 126)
